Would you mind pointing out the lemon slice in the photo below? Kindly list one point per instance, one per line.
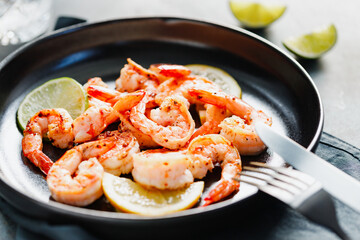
(128, 196)
(57, 93)
(223, 79)
(314, 44)
(254, 14)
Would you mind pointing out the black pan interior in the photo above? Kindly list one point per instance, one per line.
(270, 81)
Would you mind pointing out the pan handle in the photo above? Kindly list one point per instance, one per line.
(63, 21)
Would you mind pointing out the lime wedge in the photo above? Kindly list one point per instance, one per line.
(254, 14)
(128, 196)
(223, 79)
(57, 93)
(314, 44)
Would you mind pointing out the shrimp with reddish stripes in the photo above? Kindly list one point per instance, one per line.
(98, 82)
(175, 86)
(239, 129)
(98, 117)
(171, 125)
(75, 178)
(167, 71)
(134, 77)
(204, 152)
(214, 116)
(123, 103)
(162, 169)
(119, 159)
(145, 141)
(53, 123)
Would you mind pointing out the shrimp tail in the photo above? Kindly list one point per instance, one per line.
(40, 160)
(222, 189)
(205, 96)
(226, 186)
(210, 127)
(103, 93)
(222, 100)
(128, 101)
(171, 70)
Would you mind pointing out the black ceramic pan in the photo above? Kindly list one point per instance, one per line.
(269, 78)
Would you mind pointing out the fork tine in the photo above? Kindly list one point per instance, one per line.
(271, 189)
(272, 181)
(286, 175)
(301, 177)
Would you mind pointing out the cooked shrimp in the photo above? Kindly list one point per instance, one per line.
(112, 96)
(134, 77)
(205, 151)
(242, 135)
(95, 81)
(239, 130)
(119, 159)
(166, 71)
(53, 123)
(93, 101)
(173, 126)
(214, 116)
(98, 117)
(162, 169)
(104, 94)
(145, 141)
(75, 179)
(181, 87)
(92, 122)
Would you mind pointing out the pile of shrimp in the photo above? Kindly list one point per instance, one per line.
(156, 140)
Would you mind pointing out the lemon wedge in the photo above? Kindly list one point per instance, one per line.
(128, 196)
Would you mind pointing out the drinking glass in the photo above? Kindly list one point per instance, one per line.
(23, 20)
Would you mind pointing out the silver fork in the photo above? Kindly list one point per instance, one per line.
(298, 190)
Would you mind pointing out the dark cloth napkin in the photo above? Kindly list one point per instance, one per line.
(272, 220)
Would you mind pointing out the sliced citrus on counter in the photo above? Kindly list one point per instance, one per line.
(254, 14)
(314, 44)
(57, 93)
(220, 77)
(128, 196)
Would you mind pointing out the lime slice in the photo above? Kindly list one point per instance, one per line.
(223, 79)
(254, 14)
(128, 196)
(57, 93)
(312, 45)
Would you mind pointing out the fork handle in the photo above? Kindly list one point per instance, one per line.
(324, 213)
